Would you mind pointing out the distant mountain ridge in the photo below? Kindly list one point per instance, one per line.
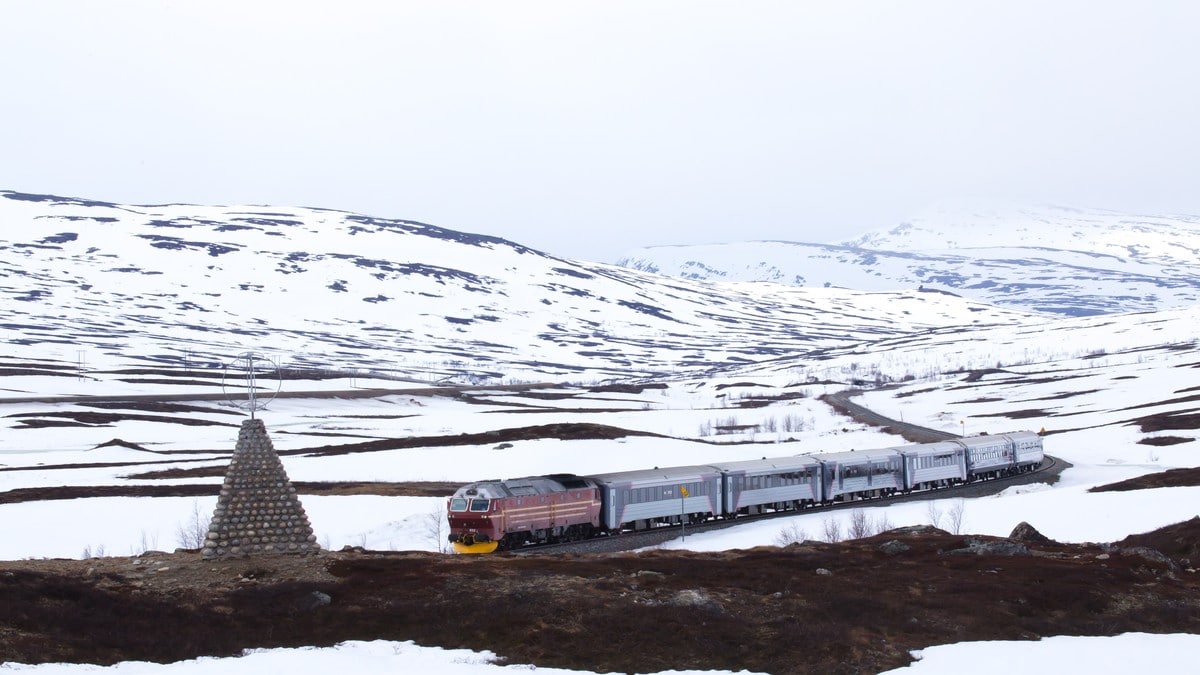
(114, 284)
(1052, 260)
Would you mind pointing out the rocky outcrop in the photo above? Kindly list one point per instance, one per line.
(1027, 533)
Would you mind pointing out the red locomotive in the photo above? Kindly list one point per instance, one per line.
(507, 514)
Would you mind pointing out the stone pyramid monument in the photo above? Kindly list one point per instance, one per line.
(258, 510)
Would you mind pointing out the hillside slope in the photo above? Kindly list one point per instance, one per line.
(108, 284)
(1052, 260)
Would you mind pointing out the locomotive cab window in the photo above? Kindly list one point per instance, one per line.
(458, 505)
(479, 505)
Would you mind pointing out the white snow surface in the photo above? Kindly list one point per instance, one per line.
(1090, 382)
(1086, 401)
(1165, 238)
(1048, 259)
(1054, 655)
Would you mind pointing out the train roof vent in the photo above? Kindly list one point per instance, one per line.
(569, 480)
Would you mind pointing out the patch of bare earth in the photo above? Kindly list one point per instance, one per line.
(856, 607)
(410, 489)
(1165, 440)
(1168, 478)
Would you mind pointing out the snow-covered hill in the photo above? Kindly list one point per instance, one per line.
(105, 285)
(1049, 259)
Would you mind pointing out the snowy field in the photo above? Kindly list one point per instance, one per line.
(1068, 654)
(1089, 405)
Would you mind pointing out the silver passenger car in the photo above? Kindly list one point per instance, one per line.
(933, 464)
(757, 485)
(644, 498)
(861, 473)
(1027, 449)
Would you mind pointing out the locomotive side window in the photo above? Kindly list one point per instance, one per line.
(479, 505)
(458, 505)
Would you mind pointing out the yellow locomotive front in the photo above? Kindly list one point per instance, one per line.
(476, 526)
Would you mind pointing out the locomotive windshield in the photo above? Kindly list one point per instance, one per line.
(475, 505)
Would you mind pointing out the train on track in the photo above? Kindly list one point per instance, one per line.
(509, 514)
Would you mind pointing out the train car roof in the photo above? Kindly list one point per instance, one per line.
(1021, 434)
(983, 439)
(856, 456)
(769, 464)
(670, 473)
(926, 449)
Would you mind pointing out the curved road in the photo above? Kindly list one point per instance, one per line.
(840, 401)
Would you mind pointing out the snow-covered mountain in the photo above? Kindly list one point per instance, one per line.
(100, 285)
(1048, 259)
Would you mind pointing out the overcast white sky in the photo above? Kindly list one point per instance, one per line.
(586, 129)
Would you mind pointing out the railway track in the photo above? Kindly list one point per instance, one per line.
(626, 541)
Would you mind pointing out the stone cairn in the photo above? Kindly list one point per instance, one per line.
(258, 510)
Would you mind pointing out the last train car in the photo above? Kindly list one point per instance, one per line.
(1027, 450)
(510, 513)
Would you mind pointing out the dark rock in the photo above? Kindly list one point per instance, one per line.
(1002, 547)
(1150, 555)
(1026, 532)
(917, 530)
(696, 598)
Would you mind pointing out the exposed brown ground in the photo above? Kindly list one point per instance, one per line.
(1168, 478)
(414, 489)
(856, 607)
